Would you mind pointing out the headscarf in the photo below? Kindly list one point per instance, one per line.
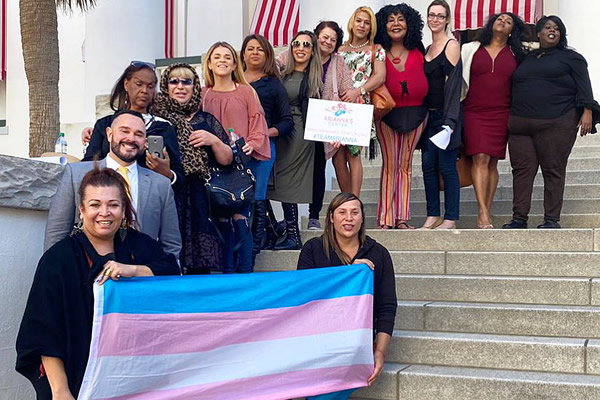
(194, 159)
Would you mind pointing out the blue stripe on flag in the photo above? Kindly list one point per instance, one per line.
(247, 292)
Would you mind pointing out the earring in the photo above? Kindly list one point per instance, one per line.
(77, 228)
(123, 230)
(126, 100)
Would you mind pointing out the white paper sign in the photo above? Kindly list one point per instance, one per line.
(331, 121)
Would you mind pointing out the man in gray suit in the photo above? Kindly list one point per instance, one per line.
(151, 193)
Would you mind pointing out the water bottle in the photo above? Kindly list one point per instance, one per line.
(61, 144)
(232, 135)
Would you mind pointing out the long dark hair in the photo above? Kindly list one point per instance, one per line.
(106, 177)
(514, 39)
(270, 67)
(414, 27)
(338, 32)
(329, 238)
(119, 100)
(562, 43)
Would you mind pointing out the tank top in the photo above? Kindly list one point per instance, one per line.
(434, 70)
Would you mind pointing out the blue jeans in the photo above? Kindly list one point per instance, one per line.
(261, 171)
(341, 395)
(235, 232)
(435, 162)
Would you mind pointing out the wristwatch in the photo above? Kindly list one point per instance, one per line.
(363, 91)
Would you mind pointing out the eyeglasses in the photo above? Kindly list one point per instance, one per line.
(433, 16)
(140, 64)
(183, 81)
(297, 43)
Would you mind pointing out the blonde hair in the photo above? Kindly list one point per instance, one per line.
(315, 67)
(181, 72)
(237, 75)
(373, 32)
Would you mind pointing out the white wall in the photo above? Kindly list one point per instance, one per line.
(581, 33)
(209, 22)
(22, 233)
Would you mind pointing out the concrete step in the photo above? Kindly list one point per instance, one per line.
(497, 289)
(569, 221)
(467, 193)
(373, 169)
(558, 264)
(516, 240)
(500, 207)
(524, 353)
(386, 385)
(573, 177)
(426, 382)
(500, 319)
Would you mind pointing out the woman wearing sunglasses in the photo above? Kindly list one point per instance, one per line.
(302, 78)
(135, 90)
(203, 143)
(230, 98)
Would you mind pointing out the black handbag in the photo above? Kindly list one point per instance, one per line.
(230, 189)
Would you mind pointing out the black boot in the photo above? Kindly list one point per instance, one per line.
(259, 226)
(292, 240)
(274, 229)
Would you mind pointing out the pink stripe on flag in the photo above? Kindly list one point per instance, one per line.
(278, 386)
(157, 334)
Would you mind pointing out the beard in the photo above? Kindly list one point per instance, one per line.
(126, 157)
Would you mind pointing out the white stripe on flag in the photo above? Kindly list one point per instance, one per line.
(263, 26)
(130, 373)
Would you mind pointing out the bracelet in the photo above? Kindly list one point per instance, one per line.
(363, 91)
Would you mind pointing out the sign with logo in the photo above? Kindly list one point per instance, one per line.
(336, 121)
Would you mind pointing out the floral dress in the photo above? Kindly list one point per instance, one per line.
(361, 65)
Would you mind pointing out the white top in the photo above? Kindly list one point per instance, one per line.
(132, 175)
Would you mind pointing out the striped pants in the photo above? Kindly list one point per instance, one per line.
(396, 172)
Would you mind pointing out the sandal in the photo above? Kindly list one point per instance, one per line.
(403, 225)
(485, 226)
(433, 225)
(385, 227)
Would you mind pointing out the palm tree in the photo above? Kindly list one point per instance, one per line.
(39, 38)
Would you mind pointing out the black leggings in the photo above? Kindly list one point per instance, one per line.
(318, 182)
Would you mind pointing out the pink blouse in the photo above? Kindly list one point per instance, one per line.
(240, 109)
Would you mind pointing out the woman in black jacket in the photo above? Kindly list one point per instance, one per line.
(135, 90)
(344, 241)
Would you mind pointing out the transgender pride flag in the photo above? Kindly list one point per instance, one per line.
(275, 335)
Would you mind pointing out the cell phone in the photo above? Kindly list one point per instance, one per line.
(240, 143)
(156, 145)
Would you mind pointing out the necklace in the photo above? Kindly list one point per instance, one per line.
(396, 60)
(359, 46)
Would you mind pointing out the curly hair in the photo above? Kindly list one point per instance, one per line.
(562, 43)
(414, 26)
(514, 40)
(339, 33)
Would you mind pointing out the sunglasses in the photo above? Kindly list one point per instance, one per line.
(183, 81)
(297, 43)
(139, 64)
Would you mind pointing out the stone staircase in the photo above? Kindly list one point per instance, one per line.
(492, 314)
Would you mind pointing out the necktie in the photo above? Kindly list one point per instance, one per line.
(125, 174)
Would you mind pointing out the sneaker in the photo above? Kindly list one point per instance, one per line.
(314, 224)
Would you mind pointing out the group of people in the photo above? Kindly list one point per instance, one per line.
(110, 212)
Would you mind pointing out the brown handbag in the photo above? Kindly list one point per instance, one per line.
(464, 164)
(380, 98)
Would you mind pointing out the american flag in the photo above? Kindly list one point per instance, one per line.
(276, 20)
(473, 14)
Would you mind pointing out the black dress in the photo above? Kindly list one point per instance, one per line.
(58, 317)
(99, 146)
(201, 249)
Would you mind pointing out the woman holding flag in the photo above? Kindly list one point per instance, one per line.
(344, 241)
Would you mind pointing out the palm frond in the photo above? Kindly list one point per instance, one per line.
(83, 5)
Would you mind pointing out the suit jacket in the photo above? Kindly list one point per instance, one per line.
(156, 212)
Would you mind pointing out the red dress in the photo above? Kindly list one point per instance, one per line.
(487, 106)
